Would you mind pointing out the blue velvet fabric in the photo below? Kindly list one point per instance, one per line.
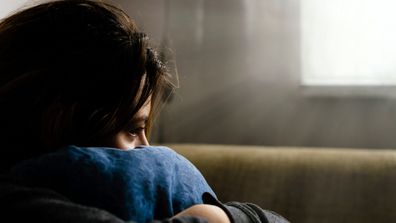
(141, 184)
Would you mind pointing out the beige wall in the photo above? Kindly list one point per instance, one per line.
(239, 68)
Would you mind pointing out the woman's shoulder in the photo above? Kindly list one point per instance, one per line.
(22, 203)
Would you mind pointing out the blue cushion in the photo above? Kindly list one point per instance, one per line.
(141, 184)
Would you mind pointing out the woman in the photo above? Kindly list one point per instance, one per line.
(77, 74)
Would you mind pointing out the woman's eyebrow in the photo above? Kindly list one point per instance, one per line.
(143, 118)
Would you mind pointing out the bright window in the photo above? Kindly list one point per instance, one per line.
(348, 42)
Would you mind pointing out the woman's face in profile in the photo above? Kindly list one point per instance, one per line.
(135, 134)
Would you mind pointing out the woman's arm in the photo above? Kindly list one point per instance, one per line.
(211, 213)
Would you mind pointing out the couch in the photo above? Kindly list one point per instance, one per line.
(305, 185)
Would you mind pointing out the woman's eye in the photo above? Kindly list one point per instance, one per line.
(136, 131)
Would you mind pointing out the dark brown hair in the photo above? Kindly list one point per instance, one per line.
(72, 72)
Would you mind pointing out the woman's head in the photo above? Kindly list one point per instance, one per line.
(74, 72)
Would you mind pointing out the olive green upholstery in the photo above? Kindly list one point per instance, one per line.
(305, 185)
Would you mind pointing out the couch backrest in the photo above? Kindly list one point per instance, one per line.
(305, 185)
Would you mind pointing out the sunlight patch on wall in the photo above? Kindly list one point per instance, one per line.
(349, 42)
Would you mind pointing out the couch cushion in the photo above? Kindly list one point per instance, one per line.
(307, 185)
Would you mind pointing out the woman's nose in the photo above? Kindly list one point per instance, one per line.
(142, 141)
